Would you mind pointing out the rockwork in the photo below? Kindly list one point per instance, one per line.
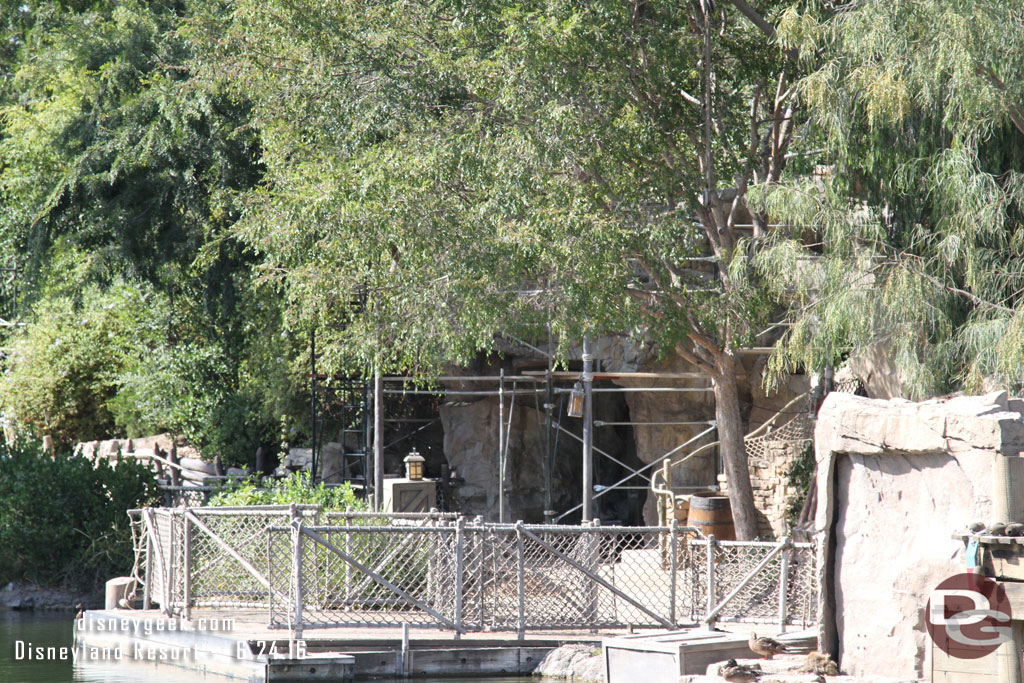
(895, 479)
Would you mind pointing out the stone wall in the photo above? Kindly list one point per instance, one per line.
(774, 494)
(895, 479)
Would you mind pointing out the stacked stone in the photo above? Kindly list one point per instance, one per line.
(769, 480)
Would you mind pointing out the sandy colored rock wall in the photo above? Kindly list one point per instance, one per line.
(895, 479)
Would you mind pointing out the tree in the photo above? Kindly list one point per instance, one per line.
(472, 168)
(119, 170)
(919, 214)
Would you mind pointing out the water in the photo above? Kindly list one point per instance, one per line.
(41, 629)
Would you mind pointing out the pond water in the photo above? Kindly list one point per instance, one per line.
(21, 633)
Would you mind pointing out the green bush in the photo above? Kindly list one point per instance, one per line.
(191, 389)
(293, 489)
(62, 368)
(62, 519)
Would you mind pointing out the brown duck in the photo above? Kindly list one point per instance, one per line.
(764, 646)
(737, 673)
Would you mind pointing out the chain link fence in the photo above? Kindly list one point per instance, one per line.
(310, 569)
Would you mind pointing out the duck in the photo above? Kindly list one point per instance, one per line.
(996, 529)
(764, 646)
(737, 673)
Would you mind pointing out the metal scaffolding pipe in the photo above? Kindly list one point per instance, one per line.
(647, 466)
(600, 423)
(378, 441)
(596, 449)
(588, 431)
(448, 392)
(501, 447)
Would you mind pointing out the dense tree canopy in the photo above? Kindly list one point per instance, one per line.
(118, 169)
(439, 173)
(919, 213)
(411, 180)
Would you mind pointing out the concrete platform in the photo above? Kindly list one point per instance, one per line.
(238, 645)
(667, 655)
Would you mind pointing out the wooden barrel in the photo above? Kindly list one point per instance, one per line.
(712, 515)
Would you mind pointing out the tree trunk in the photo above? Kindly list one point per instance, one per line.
(734, 455)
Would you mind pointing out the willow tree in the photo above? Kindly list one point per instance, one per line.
(441, 172)
(919, 210)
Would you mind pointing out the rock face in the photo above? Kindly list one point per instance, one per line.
(900, 475)
(471, 441)
(27, 597)
(653, 441)
(574, 662)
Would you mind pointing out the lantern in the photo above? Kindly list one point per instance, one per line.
(576, 401)
(414, 466)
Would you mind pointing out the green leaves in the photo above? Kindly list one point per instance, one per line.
(918, 213)
(62, 518)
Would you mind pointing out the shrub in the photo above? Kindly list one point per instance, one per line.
(293, 489)
(62, 519)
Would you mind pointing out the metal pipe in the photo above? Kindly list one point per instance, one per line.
(501, 447)
(449, 392)
(466, 378)
(630, 390)
(378, 440)
(601, 423)
(549, 404)
(312, 402)
(648, 465)
(588, 431)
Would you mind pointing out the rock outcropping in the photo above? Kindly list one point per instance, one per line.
(895, 480)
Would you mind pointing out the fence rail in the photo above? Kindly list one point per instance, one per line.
(313, 569)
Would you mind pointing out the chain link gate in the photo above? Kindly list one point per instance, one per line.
(311, 569)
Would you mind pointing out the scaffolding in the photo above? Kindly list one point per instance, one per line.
(363, 401)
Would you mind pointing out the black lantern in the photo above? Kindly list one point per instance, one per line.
(414, 466)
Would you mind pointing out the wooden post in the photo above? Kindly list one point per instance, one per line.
(172, 457)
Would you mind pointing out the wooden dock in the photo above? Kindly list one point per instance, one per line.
(239, 645)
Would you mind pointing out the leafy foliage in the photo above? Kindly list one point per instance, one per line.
(64, 367)
(62, 519)
(919, 215)
(296, 488)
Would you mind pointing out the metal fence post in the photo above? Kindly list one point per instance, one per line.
(783, 584)
(521, 579)
(296, 634)
(348, 550)
(711, 579)
(480, 548)
(186, 579)
(459, 568)
(673, 560)
(147, 591)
